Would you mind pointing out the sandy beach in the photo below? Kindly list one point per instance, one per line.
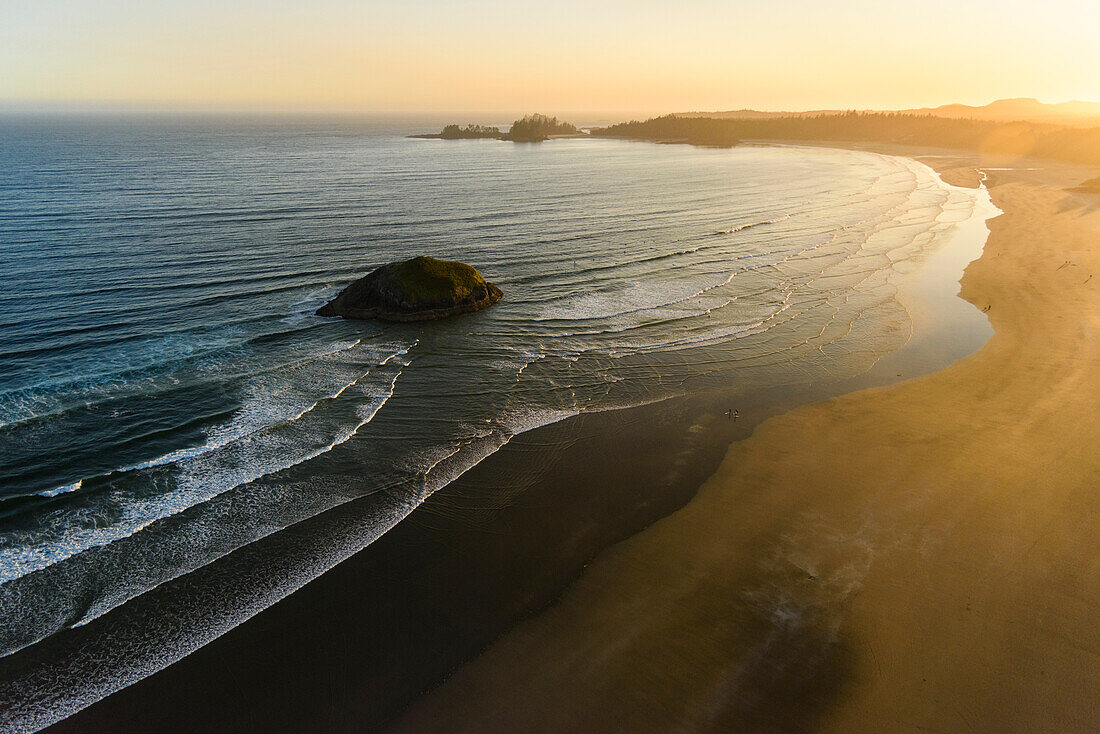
(919, 557)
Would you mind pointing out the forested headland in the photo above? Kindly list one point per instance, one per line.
(1078, 145)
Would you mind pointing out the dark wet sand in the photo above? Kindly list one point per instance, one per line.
(352, 648)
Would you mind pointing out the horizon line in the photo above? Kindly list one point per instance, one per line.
(150, 107)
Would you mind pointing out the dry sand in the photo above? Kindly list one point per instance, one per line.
(920, 557)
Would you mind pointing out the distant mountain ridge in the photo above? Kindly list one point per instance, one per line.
(1020, 109)
(1026, 109)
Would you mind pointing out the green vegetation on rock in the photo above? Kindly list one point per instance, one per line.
(425, 280)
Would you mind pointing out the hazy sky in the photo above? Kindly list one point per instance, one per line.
(575, 55)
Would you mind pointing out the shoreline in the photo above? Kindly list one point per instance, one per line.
(661, 495)
(939, 577)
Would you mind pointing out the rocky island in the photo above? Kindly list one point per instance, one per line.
(470, 132)
(530, 129)
(420, 289)
(537, 128)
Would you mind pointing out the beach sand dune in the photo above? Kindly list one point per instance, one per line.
(920, 557)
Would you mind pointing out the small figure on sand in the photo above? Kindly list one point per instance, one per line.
(733, 414)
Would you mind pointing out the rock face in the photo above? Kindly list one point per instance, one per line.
(421, 289)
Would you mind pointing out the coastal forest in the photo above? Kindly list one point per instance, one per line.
(1009, 138)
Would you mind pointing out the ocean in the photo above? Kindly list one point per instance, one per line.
(168, 398)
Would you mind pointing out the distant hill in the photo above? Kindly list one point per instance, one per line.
(1021, 109)
(1024, 109)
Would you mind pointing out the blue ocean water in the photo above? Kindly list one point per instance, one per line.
(166, 392)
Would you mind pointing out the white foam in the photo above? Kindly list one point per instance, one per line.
(62, 490)
(366, 414)
(306, 307)
(243, 424)
(635, 298)
(750, 225)
(54, 397)
(259, 452)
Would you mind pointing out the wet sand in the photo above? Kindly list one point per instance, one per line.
(918, 557)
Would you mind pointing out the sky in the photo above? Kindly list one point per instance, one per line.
(637, 57)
